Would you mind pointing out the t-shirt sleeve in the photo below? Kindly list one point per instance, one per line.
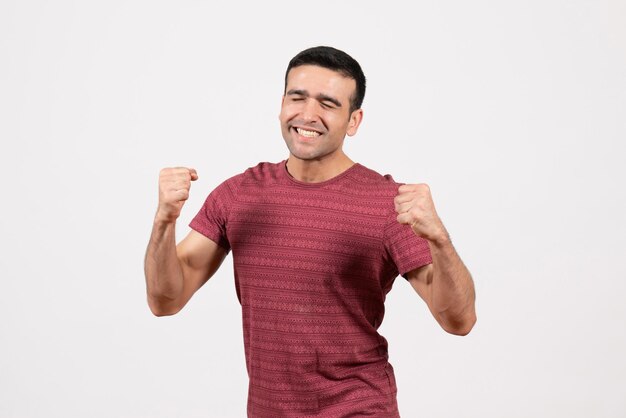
(212, 218)
(405, 249)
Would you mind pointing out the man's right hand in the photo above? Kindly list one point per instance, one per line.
(175, 272)
(174, 185)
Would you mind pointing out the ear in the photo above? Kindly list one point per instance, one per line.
(355, 120)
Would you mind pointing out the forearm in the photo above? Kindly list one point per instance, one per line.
(164, 277)
(453, 294)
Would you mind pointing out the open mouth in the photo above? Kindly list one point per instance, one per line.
(306, 133)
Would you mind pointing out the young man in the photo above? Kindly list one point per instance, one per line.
(317, 243)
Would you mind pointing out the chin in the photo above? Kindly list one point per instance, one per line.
(300, 153)
(310, 156)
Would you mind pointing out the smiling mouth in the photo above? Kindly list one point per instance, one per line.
(307, 134)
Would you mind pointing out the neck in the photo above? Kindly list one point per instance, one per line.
(316, 171)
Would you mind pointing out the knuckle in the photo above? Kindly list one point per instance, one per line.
(175, 172)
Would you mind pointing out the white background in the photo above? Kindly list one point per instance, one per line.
(513, 112)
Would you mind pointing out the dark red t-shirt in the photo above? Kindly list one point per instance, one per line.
(313, 263)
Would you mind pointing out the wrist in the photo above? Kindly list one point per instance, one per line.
(163, 218)
(441, 239)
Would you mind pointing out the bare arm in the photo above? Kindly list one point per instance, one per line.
(445, 285)
(447, 288)
(174, 273)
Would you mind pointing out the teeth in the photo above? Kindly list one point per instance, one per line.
(308, 134)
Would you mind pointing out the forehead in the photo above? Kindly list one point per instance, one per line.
(320, 80)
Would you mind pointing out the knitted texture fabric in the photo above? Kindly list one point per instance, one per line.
(313, 264)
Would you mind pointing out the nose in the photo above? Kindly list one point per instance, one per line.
(309, 110)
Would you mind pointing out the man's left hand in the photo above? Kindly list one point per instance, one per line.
(415, 207)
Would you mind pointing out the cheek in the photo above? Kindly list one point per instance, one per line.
(337, 121)
(287, 112)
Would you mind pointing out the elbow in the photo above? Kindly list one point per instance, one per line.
(160, 313)
(162, 307)
(460, 327)
(461, 331)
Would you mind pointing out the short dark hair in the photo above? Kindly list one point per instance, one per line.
(336, 60)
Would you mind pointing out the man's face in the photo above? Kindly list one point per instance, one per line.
(315, 113)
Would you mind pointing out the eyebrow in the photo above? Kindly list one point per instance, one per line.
(321, 97)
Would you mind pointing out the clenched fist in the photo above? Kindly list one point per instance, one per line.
(415, 207)
(174, 185)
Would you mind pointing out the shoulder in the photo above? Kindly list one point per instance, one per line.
(373, 180)
(374, 176)
(263, 171)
